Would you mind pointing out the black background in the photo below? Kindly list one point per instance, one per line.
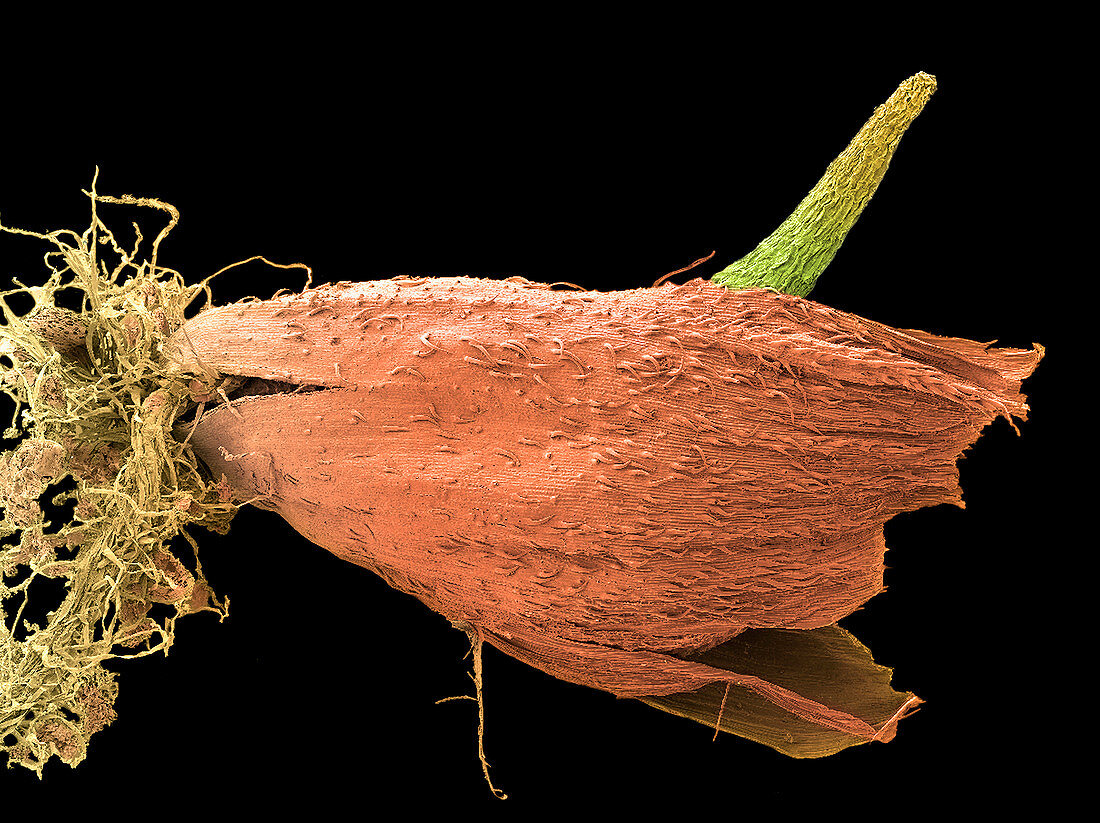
(606, 159)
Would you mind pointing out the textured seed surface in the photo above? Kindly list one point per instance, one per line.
(599, 479)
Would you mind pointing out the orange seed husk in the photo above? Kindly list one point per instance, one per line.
(670, 494)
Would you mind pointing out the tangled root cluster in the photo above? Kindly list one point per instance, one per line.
(100, 430)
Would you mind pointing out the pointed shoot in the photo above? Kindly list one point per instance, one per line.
(796, 253)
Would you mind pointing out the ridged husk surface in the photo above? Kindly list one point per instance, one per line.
(662, 493)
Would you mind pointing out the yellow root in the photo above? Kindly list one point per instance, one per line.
(475, 648)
